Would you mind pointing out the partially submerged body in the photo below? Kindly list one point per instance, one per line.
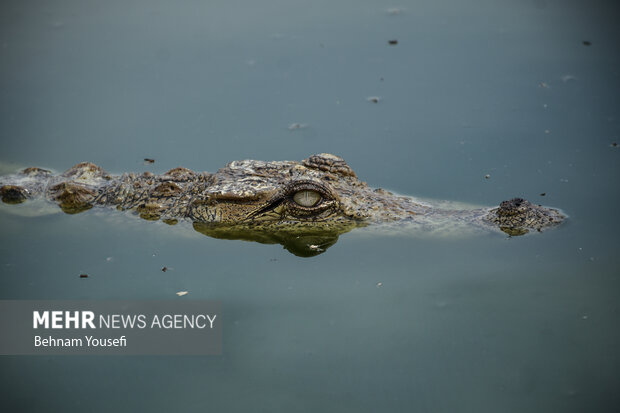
(301, 205)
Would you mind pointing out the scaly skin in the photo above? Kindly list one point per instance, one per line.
(292, 203)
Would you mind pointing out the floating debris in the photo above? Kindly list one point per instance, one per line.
(614, 144)
(373, 99)
(164, 269)
(487, 176)
(544, 85)
(379, 285)
(587, 43)
(83, 275)
(148, 161)
(568, 78)
(393, 42)
(182, 293)
(109, 259)
(295, 126)
(393, 11)
(543, 194)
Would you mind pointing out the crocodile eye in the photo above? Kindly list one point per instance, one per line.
(307, 198)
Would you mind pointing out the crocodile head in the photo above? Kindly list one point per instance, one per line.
(306, 205)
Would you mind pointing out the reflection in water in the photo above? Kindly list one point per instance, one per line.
(302, 242)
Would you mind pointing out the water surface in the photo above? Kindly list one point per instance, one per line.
(377, 323)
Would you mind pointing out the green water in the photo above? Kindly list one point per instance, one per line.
(377, 323)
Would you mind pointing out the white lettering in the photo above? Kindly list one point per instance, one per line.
(56, 319)
(57, 342)
(75, 319)
(106, 342)
(87, 319)
(38, 318)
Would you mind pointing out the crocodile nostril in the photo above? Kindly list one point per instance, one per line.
(511, 207)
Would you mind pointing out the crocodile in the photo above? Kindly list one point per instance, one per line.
(304, 206)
